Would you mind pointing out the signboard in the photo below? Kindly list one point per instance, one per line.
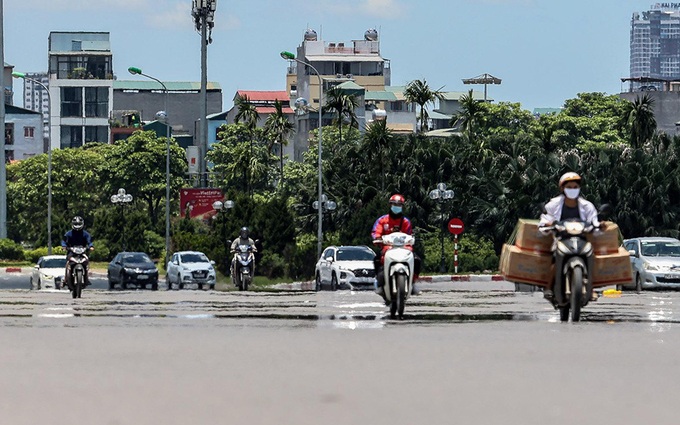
(192, 159)
(456, 226)
(197, 203)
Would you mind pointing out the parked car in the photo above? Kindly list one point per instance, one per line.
(132, 268)
(190, 267)
(48, 272)
(345, 267)
(655, 262)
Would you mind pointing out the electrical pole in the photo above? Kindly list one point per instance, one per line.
(203, 12)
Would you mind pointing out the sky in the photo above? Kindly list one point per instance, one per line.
(545, 51)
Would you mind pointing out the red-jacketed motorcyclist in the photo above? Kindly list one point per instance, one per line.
(393, 221)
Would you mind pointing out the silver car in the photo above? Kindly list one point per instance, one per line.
(655, 262)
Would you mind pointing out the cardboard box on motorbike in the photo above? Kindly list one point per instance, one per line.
(527, 256)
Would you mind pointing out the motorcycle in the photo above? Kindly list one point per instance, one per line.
(76, 270)
(244, 266)
(574, 263)
(397, 270)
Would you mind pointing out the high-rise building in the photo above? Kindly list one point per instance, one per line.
(655, 47)
(37, 99)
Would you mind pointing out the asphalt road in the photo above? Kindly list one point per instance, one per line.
(475, 353)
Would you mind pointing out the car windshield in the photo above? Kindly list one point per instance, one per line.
(136, 258)
(355, 254)
(194, 258)
(661, 249)
(54, 263)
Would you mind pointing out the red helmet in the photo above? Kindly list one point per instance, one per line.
(397, 199)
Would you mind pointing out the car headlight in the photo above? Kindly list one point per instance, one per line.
(46, 276)
(650, 267)
(128, 270)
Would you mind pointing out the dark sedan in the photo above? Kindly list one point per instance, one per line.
(132, 268)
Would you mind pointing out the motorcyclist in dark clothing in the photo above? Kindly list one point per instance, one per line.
(77, 236)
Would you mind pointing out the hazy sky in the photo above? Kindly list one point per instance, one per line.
(545, 51)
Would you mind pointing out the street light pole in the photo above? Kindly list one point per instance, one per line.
(49, 157)
(441, 195)
(137, 71)
(3, 169)
(319, 235)
(121, 198)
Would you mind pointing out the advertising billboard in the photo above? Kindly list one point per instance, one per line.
(197, 203)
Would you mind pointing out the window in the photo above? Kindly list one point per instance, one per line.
(96, 102)
(96, 134)
(28, 132)
(9, 133)
(71, 102)
(71, 136)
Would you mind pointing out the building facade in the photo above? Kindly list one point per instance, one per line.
(23, 133)
(655, 47)
(38, 100)
(358, 61)
(81, 87)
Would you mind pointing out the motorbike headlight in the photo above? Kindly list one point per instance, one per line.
(650, 267)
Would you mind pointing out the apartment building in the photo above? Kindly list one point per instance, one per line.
(81, 87)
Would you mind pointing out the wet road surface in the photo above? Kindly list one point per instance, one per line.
(475, 352)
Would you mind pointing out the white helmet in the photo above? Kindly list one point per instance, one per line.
(570, 177)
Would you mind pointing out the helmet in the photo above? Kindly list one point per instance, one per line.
(244, 232)
(77, 223)
(569, 177)
(397, 199)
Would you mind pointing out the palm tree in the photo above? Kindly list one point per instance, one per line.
(377, 139)
(638, 117)
(278, 126)
(247, 111)
(470, 114)
(419, 92)
(343, 105)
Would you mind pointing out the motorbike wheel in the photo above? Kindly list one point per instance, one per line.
(576, 284)
(246, 283)
(78, 284)
(334, 283)
(401, 295)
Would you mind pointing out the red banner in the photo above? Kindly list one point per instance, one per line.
(198, 202)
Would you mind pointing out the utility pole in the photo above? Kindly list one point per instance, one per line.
(3, 170)
(203, 12)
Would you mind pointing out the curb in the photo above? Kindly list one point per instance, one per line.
(13, 270)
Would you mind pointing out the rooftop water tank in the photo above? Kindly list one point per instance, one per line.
(310, 35)
(371, 34)
(379, 114)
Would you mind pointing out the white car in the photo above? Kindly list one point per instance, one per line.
(655, 262)
(190, 267)
(345, 267)
(48, 272)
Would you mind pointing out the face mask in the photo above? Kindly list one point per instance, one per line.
(395, 209)
(572, 193)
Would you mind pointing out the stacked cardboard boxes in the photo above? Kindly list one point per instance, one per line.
(527, 257)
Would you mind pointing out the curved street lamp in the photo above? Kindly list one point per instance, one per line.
(162, 116)
(49, 157)
(441, 195)
(291, 57)
(121, 198)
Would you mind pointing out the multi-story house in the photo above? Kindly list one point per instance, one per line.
(81, 87)
(336, 62)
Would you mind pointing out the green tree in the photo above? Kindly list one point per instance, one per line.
(638, 119)
(278, 127)
(343, 106)
(418, 92)
(138, 164)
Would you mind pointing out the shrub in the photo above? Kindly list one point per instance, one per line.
(154, 243)
(101, 251)
(272, 265)
(34, 254)
(10, 250)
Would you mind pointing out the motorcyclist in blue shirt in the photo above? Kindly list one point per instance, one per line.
(77, 236)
